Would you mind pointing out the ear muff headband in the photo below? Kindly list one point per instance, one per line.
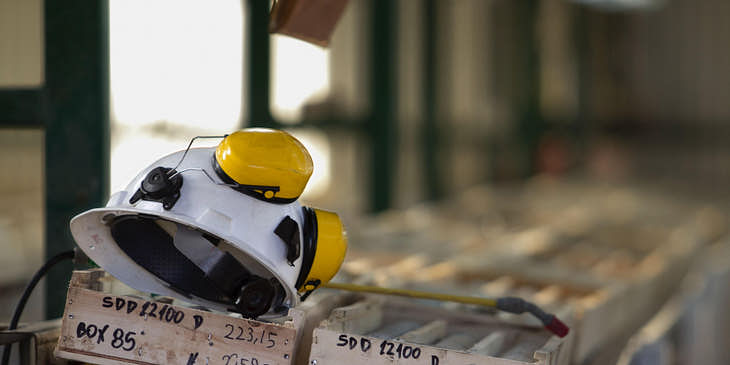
(270, 165)
(263, 193)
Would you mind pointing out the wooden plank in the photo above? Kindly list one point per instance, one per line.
(312, 312)
(490, 345)
(87, 279)
(556, 351)
(34, 342)
(458, 341)
(394, 329)
(361, 317)
(331, 347)
(548, 295)
(429, 333)
(107, 329)
(519, 350)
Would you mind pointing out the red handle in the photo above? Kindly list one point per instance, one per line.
(557, 327)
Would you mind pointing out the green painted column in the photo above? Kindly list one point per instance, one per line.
(430, 132)
(258, 58)
(382, 125)
(77, 125)
(531, 125)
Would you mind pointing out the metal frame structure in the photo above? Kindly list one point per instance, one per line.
(72, 106)
(380, 126)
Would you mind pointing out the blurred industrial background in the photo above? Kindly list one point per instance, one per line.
(414, 101)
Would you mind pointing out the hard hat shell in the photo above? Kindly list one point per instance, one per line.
(330, 250)
(245, 224)
(261, 157)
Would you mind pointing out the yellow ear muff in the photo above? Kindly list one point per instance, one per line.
(330, 251)
(269, 164)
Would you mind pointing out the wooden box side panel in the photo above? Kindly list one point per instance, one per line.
(330, 348)
(400, 331)
(310, 314)
(107, 329)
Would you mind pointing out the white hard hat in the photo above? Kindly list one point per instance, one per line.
(184, 227)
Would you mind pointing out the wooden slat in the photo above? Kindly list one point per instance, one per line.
(361, 317)
(490, 345)
(426, 334)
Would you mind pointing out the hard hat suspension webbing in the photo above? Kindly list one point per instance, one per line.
(218, 277)
(151, 247)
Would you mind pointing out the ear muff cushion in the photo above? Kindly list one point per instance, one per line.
(309, 246)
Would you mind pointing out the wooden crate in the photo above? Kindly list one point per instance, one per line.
(588, 301)
(625, 282)
(33, 343)
(394, 331)
(604, 307)
(103, 328)
(611, 256)
(698, 308)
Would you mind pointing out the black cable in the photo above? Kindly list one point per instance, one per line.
(26, 295)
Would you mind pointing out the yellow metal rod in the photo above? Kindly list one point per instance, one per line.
(486, 302)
